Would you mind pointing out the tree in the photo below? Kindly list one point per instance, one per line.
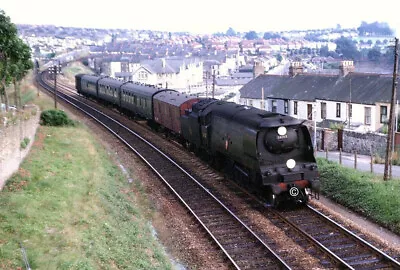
(19, 65)
(279, 57)
(374, 54)
(230, 32)
(8, 33)
(251, 35)
(14, 56)
(347, 48)
(270, 35)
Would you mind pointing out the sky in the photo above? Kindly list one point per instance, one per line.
(204, 16)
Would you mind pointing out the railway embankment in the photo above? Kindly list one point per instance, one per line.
(17, 134)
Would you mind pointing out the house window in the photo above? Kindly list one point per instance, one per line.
(286, 106)
(337, 109)
(323, 110)
(309, 112)
(274, 109)
(367, 115)
(295, 108)
(383, 114)
(142, 75)
(350, 110)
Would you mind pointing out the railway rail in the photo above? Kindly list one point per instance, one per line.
(343, 247)
(243, 248)
(332, 244)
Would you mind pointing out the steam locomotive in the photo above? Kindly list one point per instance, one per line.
(267, 152)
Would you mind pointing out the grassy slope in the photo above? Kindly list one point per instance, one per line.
(71, 208)
(363, 192)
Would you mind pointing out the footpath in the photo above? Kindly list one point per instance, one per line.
(363, 162)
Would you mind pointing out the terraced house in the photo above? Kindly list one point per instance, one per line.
(360, 101)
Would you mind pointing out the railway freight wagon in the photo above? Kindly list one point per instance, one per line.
(169, 106)
(265, 150)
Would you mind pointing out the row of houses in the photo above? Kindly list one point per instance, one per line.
(357, 101)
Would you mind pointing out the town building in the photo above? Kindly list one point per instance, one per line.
(357, 101)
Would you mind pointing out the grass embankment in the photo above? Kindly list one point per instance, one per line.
(72, 208)
(365, 193)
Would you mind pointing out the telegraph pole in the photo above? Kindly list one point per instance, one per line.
(206, 84)
(388, 160)
(213, 85)
(55, 69)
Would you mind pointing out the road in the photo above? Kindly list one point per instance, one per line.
(363, 162)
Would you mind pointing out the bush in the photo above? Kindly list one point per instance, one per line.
(55, 118)
(25, 143)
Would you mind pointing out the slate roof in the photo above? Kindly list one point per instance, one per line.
(365, 88)
(171, 65)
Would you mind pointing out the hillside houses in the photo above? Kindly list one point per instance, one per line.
(359, 101)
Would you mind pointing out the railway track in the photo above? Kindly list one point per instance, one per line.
(344, 248)
(321, 237)
(243, 248)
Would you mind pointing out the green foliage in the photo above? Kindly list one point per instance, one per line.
(271, 35)
(363, 192)
(72, 209)
(230, 32)
(374, 54)
(346, 48)
(25, 142)
(55, 118)
(336, 126)
(375, 28)
(384, 129)
(251, 35)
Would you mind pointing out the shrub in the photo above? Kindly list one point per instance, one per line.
(55, 118)
(25, 142)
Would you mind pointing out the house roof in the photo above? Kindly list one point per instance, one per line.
(354, 87)
(170, 66)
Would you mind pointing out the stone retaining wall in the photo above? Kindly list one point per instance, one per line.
(362, 143)
(11, 136)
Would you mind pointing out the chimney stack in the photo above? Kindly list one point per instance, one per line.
(258, 69)
(295, 68)
(346, 67)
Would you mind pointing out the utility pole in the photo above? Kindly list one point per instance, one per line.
(213, 86)
(55, 69)
(388, 159)
(206, 84)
